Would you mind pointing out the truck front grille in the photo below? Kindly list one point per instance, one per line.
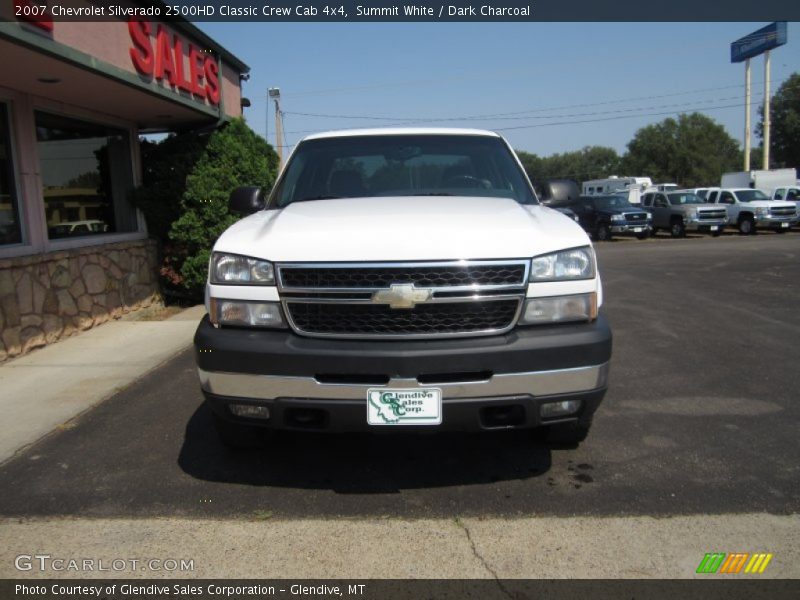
(712, 214)
(636, 217)
(403, 300)
(782, 211)
(426, 319)
(380, 277)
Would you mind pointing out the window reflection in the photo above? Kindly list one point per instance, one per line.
(86, 174)
(10, 232)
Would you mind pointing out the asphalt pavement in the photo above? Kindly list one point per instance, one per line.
(701, 417)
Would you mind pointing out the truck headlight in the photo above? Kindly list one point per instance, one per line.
(241, 313)
(762, 211)
(617, 217)
(577, 263)
(559, 309)
(232, 269)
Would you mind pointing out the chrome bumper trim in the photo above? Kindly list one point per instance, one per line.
(536, 383)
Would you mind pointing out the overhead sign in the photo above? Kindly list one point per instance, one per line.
(758, 42)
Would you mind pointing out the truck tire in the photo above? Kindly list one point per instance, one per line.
(653, 232)
(716, 233)
(238, 436)
(746, 225)
(566, 434)
(602, 233)
(677, 229)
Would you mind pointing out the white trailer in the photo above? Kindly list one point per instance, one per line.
(600, 187)
(766, 181)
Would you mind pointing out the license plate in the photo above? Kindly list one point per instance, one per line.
(637, 230)
(713, 228)
(416, 406)
(784, 225)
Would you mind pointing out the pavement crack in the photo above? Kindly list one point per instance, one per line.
(482, 560)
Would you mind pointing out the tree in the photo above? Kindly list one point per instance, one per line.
(692, 151)
(785, 124)
(590, 162)
(234, 156)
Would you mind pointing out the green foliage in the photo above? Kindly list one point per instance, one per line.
(692, 151)
(785, 125)
(233, 156)
(591, 162)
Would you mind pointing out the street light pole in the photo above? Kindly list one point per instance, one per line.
(766, 111)
(747, 115)
(275, 94)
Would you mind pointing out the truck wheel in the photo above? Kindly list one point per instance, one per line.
(677, 229)
(602, 233)
(780, 230)
(643, 236)
(653, 232)
(238, 436)
(716, 233)
(567, 434)
(747, 226)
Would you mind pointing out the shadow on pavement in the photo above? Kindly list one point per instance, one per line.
(363, 463)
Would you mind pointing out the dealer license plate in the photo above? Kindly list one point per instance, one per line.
(713, 228)
(637, 230)
(414, 406)
(784, 225)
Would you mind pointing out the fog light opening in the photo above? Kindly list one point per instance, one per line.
(550, 410)
(250, 411)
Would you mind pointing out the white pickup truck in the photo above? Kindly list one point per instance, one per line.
(402, 277)
(750, 209)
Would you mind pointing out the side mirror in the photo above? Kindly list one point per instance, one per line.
(246, 200)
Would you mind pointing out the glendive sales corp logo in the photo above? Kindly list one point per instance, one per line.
(733, 564)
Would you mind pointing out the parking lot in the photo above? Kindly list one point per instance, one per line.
(701, 417)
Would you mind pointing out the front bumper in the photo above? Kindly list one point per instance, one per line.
(631, 228)
(493, 382)
(705, 225)
(773, 222)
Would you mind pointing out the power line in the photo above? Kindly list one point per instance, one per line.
(508, 115)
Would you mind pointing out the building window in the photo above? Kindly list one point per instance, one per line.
(10, 231)
(86, 176)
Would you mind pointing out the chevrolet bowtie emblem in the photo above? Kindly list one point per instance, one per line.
(402, 295)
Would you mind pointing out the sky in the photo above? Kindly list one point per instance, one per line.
(536, 83)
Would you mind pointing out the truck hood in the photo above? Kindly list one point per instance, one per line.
(402, 229)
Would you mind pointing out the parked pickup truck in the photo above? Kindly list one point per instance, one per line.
(750, 209)
(682, 211)
(789, 194)
(402, 279)
(606, 216)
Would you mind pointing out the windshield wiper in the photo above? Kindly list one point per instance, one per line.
(435, 194)
(309, 198)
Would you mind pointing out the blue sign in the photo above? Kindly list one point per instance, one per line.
(760, 41)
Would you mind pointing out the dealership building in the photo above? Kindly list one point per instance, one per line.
(74, 99)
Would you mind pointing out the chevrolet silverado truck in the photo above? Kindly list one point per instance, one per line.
(404, 279)
(682, 211)
(750, 209)
(606, 216)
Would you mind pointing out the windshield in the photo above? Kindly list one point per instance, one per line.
(676, 199)
(750, 195)
(612, 202)
(402, 165)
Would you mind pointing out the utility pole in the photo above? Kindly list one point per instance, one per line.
(275, 94)
(766, 111)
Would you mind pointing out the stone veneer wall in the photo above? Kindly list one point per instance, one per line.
(46, 297)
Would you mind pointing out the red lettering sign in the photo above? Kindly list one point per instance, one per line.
(34, 12)
(166, 61)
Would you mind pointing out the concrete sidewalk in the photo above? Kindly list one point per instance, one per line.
(41, 391)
